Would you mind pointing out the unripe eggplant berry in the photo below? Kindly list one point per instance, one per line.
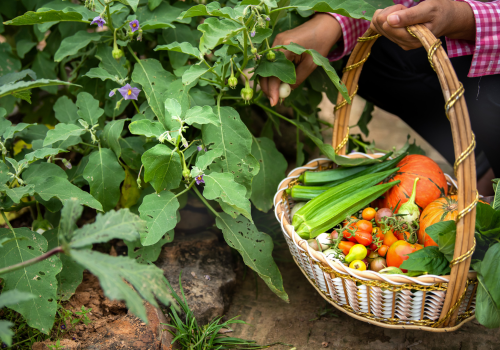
(284, 90)
(271, 56)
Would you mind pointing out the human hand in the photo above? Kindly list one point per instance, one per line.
(320, 33)
(453, 19)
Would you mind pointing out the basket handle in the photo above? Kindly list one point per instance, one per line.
(463, 141)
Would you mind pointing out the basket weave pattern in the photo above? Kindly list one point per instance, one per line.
(432, 303)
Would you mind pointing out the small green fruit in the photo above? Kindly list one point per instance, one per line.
(271, 56)
(117, 54)
(253, 50)
(247, 92)
(232, 81)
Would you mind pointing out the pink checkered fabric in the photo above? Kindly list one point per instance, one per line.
(486, 48)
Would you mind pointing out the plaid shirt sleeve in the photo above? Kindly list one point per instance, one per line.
(486, 48)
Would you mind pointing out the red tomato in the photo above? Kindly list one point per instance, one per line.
(398, 252)
(373, 247)
(368, 213)
(363, 238)
(402, 235)
(345, 246)
(365, 226)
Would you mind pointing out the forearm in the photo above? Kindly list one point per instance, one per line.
(462, 24)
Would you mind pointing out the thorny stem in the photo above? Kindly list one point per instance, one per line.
(205, 202)
(30, 261)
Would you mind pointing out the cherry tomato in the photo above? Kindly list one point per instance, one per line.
(368, 214)
(352, 227)
(398, 252)
(405, 236)
(345, 222)
(363, 238)
(373, 247)
(358, 265)
(382, 251)
(364, 226)
(389, 238)
(345, 246)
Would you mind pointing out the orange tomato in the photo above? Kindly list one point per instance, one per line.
(368, 214)
(382, 251)
(345, 246)
(402, 235)
(389, 238)
(398, 252)
(364, 226)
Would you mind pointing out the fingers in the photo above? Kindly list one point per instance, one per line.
(303, 70)
(410, 16)
(264, 85)
(273, 90)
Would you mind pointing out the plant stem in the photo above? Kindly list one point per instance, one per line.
(20, 206)
(135, 56)
(282, 8)
(187, 189)
(110, 21)
(136, 108)
(275, 113)
(205, 202)
(297, 141)
(210, 81)
(31, 261)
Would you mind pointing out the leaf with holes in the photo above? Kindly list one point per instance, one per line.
(148, 254)
(146, 280)
(162, 167)
(104, 175)
(38, 279)
(256, 249)
(160, 213)
(272, 170)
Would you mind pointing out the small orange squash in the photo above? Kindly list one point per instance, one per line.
(442, 209)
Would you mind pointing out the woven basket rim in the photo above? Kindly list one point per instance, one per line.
(282, 217)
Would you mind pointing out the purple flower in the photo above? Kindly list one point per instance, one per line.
(205, 149)
(199, 179)
(4, 345)
(112, 93)
(199, 148)
(128, 92)
(99, 21)
(252, 34)
(134, 25)
(63, 327)
(268, 19)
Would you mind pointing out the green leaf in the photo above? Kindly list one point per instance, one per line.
(43, 170)
(350, 8)
(66, 110)
(322, 62)
(444, 234)
(173, 108)
(429, 259)
(201, 115)
(16, 76)
(207, 158)
(9, 298)
(109, 64)
(9, 62)
(70, 45)
(88, 108)
(162, 167)
(223, 186)
(161, 17)
(148, 254)
(214, 9)
(282, 68)
(38, 279)
(146, 128)
(31, 18)
(152, 4)
(365, 118)
(23, 86)
(490, 270)
(131, 3)
(45, 67)
(24, 46)
(160, 213)
(4, 173)
(272, 170)
(487, 312)
(42, 153)
(496, 201)
(17, 193)
(235, 141)
(111, 135)
(62, 132)
(183, 47)
(104, 175)
(121, 224)
(146, 280)
(12, 130)
(487, 221)
(256, 249)
(62, 189)
(216, 32)
(155, 82)
(194, 72)
(102, 74)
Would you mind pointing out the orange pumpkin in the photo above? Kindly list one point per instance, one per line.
(431, 186)
(442, 209)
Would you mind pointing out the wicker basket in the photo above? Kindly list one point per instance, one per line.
(431, 303)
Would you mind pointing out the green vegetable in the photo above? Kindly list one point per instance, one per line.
(333, 195)
(410, 209)
(332, 215)
(357, 252)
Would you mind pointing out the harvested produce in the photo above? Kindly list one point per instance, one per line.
(333, 196)
(378, 264)
(333, 214)
(381, 214)
(357, 252)
(320, 243)
(333, 254)
(346, 246)
(398, 252)
(410, 209)
(442, 209)
(284, 90)
(368, 213)
(358, 265)
(296, 207)
(431, 186)
(314, 178)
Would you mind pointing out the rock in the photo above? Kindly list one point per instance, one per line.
(208, 276)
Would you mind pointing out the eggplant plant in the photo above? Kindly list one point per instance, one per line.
(125, 107)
